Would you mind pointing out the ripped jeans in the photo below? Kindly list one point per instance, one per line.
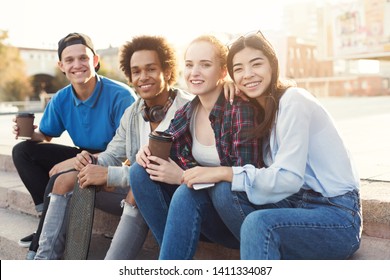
(53, 236)
(52, 239)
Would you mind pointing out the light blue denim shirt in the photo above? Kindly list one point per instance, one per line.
(304, 150)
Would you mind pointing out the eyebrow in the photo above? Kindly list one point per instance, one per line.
(252, 60)
(203, 60)
(74, 56)
(147, 65)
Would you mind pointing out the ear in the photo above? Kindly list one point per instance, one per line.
(96, 59)
(167, 75)
(61, 66)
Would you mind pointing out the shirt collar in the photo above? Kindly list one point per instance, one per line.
(194, 103)
(219, 106)
(91, 101)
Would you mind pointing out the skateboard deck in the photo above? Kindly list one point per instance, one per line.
(80, 222)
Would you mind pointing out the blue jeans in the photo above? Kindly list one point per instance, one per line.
(178, 232)
(305, 225)
(191, 213)
(152, 199)
(52, 239)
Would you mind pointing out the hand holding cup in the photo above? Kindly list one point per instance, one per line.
(160, 144)
(25, 125)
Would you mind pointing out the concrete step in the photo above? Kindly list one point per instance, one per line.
(375, 196)
(16, 224)
(19, 219)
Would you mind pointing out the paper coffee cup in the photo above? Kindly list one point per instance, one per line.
(25, 123)
(160, 144)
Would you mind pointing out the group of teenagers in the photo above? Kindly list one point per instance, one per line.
(281, 183)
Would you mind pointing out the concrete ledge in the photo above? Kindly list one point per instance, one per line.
(22, 219)
(14, 194)
(6, 163)
(372, 248)
(104, 223)
(375, 197)
(16, 224)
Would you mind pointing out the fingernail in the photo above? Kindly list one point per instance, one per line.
(231, 101)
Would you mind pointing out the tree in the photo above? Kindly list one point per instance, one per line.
(14, 82)
(106, 70)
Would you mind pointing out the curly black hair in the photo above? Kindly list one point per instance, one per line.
(166, 54)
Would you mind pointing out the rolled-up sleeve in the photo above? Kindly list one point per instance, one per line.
(243, 177)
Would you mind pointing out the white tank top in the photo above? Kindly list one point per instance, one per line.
(204, 155)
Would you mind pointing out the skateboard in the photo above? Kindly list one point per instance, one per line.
(80, 222)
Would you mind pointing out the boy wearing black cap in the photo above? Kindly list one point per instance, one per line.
(89, 109)
(74, 39)
(149, 63)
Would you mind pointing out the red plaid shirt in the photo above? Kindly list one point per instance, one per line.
(228, 122)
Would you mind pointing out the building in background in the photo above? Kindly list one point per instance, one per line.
(332, 48)
(339, 48)
(41, 65)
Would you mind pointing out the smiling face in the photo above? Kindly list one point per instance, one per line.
(147, 75)
(203, 72)
(78, 63)
(252, 72)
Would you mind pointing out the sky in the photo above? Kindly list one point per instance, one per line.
(41, 23)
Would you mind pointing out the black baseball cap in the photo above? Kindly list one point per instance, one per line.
(74, 39)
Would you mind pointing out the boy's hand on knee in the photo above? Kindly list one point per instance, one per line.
(93, 175)
(82, 159)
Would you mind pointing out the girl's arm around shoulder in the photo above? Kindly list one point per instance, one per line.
(245, 150)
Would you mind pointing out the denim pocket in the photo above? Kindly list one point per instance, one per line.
(349, 202)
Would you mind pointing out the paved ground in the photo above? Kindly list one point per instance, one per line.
(363, 122)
